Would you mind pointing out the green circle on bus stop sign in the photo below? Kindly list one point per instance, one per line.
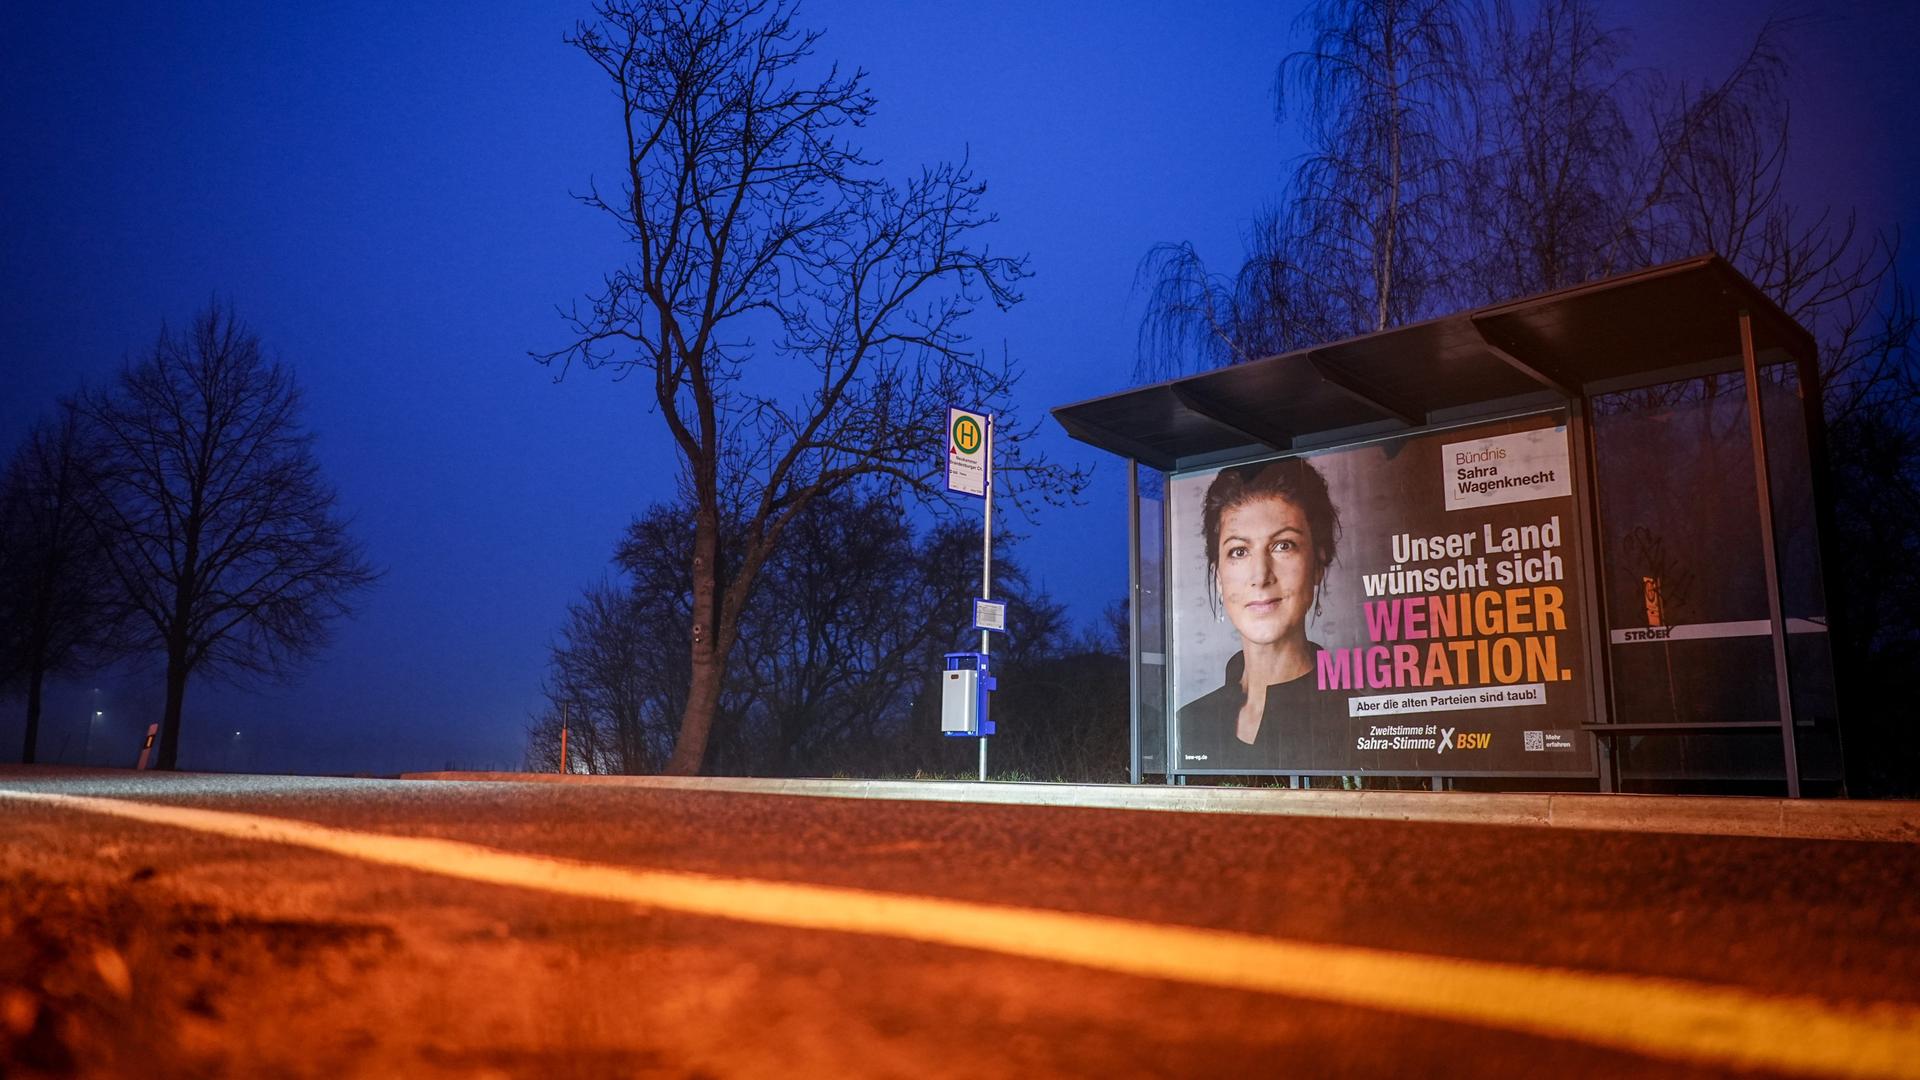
(967, 435)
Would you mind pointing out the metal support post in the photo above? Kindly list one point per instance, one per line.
(1782, 679)
(986, 574)
(1585, 444)
(1833, 597)
(1133, 622)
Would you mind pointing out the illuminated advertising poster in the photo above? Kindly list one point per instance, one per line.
(1405, 606)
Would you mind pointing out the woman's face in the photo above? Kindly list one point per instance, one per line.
(1267, 570)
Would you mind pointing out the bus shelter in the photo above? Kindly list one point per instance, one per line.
(1567, 542)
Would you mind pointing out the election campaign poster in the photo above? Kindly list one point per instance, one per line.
(1411, 605)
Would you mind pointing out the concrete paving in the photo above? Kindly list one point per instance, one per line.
(1803, 819)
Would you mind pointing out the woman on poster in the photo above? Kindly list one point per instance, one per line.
(1270, 531)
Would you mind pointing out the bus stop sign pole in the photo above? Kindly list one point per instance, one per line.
(986, 571)
(969, 467)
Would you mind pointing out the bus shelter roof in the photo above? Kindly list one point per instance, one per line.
(1656, 325)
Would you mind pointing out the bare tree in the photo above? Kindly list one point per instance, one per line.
(1380, 87)
(1554, 175)
(846, 619)
(617, 672)
(1068, 718)
(211, 510)
(1468, 169)
(850, 626)
(1723, 154)
(606, 685)
(54, 589)
(851, 619)
(846, 623)
(1360, 238)
(1273, 304)
(760, 233)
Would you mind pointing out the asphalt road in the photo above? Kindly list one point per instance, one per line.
(721, 934)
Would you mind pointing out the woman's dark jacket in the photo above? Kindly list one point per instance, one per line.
(1302, 728)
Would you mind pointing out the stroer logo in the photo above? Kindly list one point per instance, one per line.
(1464, 740)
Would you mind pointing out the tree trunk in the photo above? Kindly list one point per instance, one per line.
(34, 678)
(170, 723)
(696, 723)
(709, 665)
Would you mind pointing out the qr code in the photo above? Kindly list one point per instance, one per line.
(1533, 740)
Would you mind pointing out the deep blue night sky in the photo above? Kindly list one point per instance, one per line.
(384, 198)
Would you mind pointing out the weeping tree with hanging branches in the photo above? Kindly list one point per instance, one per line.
(1461, 154)
(1357, 241)
(1379, 87)
(798, 317)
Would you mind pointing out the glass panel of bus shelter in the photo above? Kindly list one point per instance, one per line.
(1803, 591)
(1684, 579)
(1150, 651)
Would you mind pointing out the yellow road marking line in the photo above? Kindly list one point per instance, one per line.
(1686, 1021)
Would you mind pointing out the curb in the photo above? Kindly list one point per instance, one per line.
(1697, 815)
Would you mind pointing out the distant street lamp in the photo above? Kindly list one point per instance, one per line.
(86, 748)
